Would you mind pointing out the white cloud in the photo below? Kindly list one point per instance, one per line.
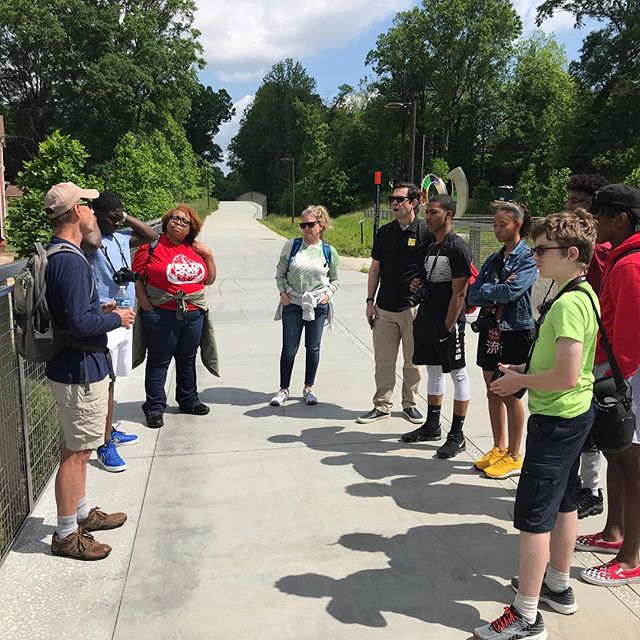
(561, 21)
(229, 129)
(243, 38)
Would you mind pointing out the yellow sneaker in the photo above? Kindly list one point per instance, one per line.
(488, 459)
(504, 468)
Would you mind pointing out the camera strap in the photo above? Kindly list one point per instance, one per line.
(572, 285)
(106, 255)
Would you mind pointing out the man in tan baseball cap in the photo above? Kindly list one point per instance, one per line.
(63, 196)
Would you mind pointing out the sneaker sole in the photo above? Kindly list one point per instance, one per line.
(311, 404)
(564, 609)
(509, 474)
(419, 440)
(125, 444)
(66, 555)
(447, 456)
(275, 404)
(119, 469)
(604, 582)
(412, 420)
(594, 511)
(368, 420)
(590, 547)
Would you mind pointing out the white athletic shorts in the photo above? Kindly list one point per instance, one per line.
(120, 343)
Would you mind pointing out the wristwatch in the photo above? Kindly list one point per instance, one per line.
(124, 216)
(369, 299)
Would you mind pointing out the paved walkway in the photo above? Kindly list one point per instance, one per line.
(287, 523)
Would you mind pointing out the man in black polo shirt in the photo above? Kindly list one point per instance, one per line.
(397, 258)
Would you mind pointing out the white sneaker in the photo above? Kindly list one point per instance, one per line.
(279, 399)
(309, 396)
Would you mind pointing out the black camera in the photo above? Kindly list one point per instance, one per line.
(485, 321)
(124, 275)
(497, 374)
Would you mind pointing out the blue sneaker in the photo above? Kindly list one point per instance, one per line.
(122, 439)
(110, 459)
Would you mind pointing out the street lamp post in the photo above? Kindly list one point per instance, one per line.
(414, 115)
(292, 160)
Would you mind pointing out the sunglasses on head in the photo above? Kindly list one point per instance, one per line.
(398, 199)
(541, 249)
(307, 225)
(183, 222)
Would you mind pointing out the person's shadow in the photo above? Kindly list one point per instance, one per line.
(35, 537)
(433, 572)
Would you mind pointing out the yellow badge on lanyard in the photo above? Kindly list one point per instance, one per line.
(411, 242)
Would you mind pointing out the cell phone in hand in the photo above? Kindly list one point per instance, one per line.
(372, 319)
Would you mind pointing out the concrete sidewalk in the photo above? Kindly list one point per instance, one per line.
(287, 523)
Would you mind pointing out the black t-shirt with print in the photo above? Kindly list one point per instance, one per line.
(443, 263)
(401, 256)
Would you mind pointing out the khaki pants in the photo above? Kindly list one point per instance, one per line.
(389, 329)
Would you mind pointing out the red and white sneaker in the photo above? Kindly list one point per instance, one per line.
(610, 574)
(594, 542)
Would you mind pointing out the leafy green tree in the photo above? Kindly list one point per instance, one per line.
(273, 128)
(209, 109)
(608, 72)
(96, 68)
(543, 198)
(60, 159)
(440, 168)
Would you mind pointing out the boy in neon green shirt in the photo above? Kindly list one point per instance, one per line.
(560, 383)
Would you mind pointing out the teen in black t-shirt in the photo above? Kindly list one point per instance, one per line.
(438, 330)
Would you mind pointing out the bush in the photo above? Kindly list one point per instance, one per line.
(60, 159)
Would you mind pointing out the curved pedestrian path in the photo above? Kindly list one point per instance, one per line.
(287, 523)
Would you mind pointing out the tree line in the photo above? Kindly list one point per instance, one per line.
(105, 92)
(509, 110)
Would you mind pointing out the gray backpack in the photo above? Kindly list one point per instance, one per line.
(38, 337)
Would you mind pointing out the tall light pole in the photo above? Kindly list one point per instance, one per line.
(292, 160)
(414, 115)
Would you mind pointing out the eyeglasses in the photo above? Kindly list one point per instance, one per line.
(307, 225)
(183, 222)
(398, 199)
(86, 204)
(540, 250)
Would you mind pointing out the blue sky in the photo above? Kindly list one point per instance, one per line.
(243, 38)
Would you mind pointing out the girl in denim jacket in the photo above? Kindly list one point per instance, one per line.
(505, 327)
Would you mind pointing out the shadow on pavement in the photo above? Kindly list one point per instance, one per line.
(35, 537)
(296, 408)
(433, 571)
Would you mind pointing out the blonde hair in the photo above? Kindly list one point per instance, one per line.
(570, 229)
(321, 215)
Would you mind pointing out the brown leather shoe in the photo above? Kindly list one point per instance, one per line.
(100, 521)
(79, 545)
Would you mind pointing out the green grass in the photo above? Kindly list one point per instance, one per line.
(200, 205)
(345, 235)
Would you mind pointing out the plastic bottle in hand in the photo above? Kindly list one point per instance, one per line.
(122, 298)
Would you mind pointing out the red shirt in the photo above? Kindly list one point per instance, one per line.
(620, 306)
(171, 268)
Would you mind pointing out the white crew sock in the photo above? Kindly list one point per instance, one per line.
(66, 526)
(556, 580)
(527, 607)
(83, 509)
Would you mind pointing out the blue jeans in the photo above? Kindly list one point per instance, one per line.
(167, 338)
(292, 325)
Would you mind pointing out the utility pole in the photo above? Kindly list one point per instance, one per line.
(3, 193)
(292, 160)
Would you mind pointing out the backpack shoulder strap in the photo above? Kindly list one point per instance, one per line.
(68, 248)
(326, 250)
(295, 247)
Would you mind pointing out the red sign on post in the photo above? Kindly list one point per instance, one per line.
(377, 177)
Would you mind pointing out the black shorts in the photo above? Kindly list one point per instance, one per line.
(512, 348)
(549, 475)
(434, 345)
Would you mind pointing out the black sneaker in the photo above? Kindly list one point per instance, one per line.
(452, 447)
(563, 602)
(512, 626)
(425, 433)
(372, 416)
(588, 504)
(413, 415)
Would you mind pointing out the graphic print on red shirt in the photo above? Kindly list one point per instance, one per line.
(171, 268)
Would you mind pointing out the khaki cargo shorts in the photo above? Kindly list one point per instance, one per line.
(83, 414)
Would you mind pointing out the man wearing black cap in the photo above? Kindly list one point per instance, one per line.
(616, 208)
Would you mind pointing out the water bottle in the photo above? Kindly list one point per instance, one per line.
(122, 298)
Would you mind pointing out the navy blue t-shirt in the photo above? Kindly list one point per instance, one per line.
(73, 307)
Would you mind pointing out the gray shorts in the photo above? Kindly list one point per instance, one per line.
(83, 414)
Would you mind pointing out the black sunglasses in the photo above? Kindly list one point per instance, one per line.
(183, 222)
(307, 225)
(540, 250)
(398, 199)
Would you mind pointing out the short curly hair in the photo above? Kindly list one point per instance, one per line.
(196, 223)
(586, 183)
(570, 229)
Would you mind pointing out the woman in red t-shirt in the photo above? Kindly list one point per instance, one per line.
(179, 263)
